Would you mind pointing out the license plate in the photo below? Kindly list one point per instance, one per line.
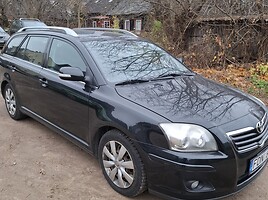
(256, 162)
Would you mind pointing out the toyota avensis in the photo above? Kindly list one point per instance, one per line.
(153, 124)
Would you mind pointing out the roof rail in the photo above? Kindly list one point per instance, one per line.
(35, 19)
(65, 30)
(83, 31)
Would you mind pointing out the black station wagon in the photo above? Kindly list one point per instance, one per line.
(153, 124)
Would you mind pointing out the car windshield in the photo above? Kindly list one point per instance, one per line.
(123, 60)
(33, 23)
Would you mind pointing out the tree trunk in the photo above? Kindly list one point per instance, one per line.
(79, 15)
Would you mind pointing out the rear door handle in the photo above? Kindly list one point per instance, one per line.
(43, 82)
(13, 68)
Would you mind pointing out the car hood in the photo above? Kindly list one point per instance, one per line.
(194, 100)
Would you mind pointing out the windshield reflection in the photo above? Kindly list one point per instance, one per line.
(122, 60)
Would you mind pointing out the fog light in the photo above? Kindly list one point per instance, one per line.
(194, 185)
(198, 186)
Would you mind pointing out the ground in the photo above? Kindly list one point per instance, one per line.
(36, 163)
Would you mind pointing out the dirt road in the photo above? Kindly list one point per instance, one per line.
(36, 163)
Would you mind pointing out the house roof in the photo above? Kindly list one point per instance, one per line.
(128, 7)
(100, 6)
(231, 10)
(118, 7)
(99, 17)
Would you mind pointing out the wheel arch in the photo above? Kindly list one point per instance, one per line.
(3, 85)
(98, 135)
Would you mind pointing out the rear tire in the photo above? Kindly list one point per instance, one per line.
(12, 103)
(121, 164)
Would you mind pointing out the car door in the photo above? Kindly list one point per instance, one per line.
(25, 62)
(65, 102)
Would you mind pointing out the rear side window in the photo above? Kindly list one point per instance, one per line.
(21, 51)
(13, 45)
(33, 49)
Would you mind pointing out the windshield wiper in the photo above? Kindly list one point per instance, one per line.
(132, 81)
(172, 75)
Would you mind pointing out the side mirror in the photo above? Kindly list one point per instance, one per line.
(71, 74)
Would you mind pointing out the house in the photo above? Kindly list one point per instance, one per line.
(97, 12)
(238, 29)
(125, 14)
(132, 14)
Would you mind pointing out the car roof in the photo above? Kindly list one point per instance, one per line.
(82, 34)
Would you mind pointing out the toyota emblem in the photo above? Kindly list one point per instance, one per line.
(260, 125)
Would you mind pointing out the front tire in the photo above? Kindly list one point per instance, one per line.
(12, 103)
(121, 164)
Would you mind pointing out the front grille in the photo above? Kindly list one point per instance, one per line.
(248, 139)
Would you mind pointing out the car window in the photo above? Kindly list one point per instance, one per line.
(13, 45)
(63, 54)
(33, 23)
(16, 24)
(21, 50)
(35, 49)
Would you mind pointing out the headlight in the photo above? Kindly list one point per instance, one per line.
(188, 137)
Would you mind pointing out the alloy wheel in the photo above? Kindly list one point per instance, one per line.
(118, 164)
(10, 101)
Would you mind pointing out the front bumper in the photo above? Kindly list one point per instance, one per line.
(172, 175)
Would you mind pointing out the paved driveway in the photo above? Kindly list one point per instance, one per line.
(36, 163)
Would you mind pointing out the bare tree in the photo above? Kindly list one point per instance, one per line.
(77, 6)
(228, 31)
(176, 17)
(31, 8)
(54, 12)
(3, 12)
